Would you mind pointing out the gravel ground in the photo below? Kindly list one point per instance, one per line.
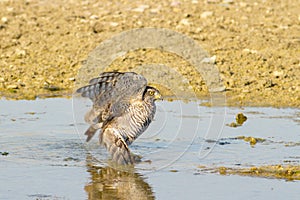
(256, 44)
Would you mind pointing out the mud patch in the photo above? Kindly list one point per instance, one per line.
(288, 172)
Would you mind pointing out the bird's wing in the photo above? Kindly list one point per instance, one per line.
(112, 91)
(129, 87)
(111, 94)
(99, 86)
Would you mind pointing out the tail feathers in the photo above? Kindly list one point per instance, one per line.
(90, 132)
(117, 147)
(120, 153)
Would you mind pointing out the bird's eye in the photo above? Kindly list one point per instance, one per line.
(151, 93)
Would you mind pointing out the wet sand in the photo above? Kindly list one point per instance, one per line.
(256, 44)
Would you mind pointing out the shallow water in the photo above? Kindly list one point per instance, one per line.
(48, 158)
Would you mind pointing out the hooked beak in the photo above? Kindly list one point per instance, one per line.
(158, 96)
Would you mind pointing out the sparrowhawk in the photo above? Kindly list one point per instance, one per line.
(123, 107)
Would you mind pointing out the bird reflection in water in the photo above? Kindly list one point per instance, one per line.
(113, 183)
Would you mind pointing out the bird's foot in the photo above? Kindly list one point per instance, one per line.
(136, 158)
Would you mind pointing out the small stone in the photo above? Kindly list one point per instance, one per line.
(52, 88)
(206, 14)
(252, 51)
(243, 4)
(175, 3)
(228, 1)
(185, 22)
(4, 20)
(20, 53)
(94, 17)
(114, 24)
(10, 9)
(269, 83)
(72, 79)
(20, 83)
(277, 74)
(141, 8)
(213, 1)
(211, 60)
(2, 80)
(154, 10)
(198, 30)
(98, 27)
(84, 21)
(13, 86)
(284, 27)
(244, 18)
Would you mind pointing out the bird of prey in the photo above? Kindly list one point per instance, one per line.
(123, 107)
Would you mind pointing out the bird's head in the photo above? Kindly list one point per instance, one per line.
(152, 94)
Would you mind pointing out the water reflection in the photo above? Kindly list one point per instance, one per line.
(110, 183)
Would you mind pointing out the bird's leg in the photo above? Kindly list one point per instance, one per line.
(136, 158)
(97, 125)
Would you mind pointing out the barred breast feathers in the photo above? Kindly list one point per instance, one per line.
(138, 118)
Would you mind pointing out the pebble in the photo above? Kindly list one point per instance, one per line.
(4, 20)
(94, 17)
(175, 3)
(277, 74)
(185, 22)
(243, 4)
(141, 8)
(213, 1)
(155, 10)
(20, 53)
(72, 79)
(52, 87)
(284, 27)
(114, 24)
(98, 27)
(250, 51)
(228, 1)
(2, 80)
(206, 14)
(10, 9)
(211, 60)
(198, 30)
(22, 84)
(13, 86)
